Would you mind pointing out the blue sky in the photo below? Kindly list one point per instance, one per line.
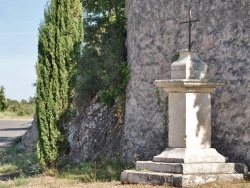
(19, 23)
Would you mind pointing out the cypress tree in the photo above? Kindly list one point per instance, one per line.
(3, 102)
(60, 39)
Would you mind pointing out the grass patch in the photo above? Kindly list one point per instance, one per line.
(104, 173)
(102, 170)
(4, 185)
(25, 167)
(21, 181)
(26, 163)
(8, 168)
(13, 160)
(99, 174)
(16, 182)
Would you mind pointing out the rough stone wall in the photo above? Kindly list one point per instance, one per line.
(29, 139)
(222, 38)
(95, 133)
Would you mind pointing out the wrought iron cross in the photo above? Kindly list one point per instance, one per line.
(190, 21)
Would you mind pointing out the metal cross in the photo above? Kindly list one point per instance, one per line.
(190, 21)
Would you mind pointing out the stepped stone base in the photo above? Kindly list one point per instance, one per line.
(185, 155)
(195, 168)
(184, 174)
(177, 180)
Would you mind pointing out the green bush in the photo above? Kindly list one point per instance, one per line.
(109, 95)
(175, 57)
(103, 68)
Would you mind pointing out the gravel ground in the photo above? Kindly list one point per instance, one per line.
(51, 182)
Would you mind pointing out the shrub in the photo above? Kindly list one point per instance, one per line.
(103, 68)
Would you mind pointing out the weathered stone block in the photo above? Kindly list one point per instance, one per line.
(192, 168)
(188, 66)
(184, 155)
(177, 180)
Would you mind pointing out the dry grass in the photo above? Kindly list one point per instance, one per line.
(226, 185)
(52, 182)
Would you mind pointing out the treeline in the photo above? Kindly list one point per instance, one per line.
(22, 108)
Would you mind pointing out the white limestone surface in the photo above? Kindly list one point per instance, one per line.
(189, 112)
(185, 155)
(177, 180)
(188, 66)
(192, 168)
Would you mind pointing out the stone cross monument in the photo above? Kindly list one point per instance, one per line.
(189, 159)
(190, 21)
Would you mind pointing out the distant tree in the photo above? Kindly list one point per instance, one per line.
(13, 105)
(60, 39)
(32, 100)
(23, 101)
(23, 108)
(3, 101)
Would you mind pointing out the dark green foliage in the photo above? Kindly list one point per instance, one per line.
(158, 95)
(175, 57)
(3, 102)
(109, 95)
(59, 47)
(103, 64)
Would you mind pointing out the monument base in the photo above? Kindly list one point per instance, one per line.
(185, 155)
(183, 167)
(176, 180)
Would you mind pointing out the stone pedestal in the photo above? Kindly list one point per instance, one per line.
(189, 112)
(189, 160)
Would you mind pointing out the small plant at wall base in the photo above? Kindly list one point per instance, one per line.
(157, 92)
(175, 57)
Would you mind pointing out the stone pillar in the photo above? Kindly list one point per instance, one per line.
(189, 112)
(189, 160)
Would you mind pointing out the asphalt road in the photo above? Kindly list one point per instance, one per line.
(10, 129)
